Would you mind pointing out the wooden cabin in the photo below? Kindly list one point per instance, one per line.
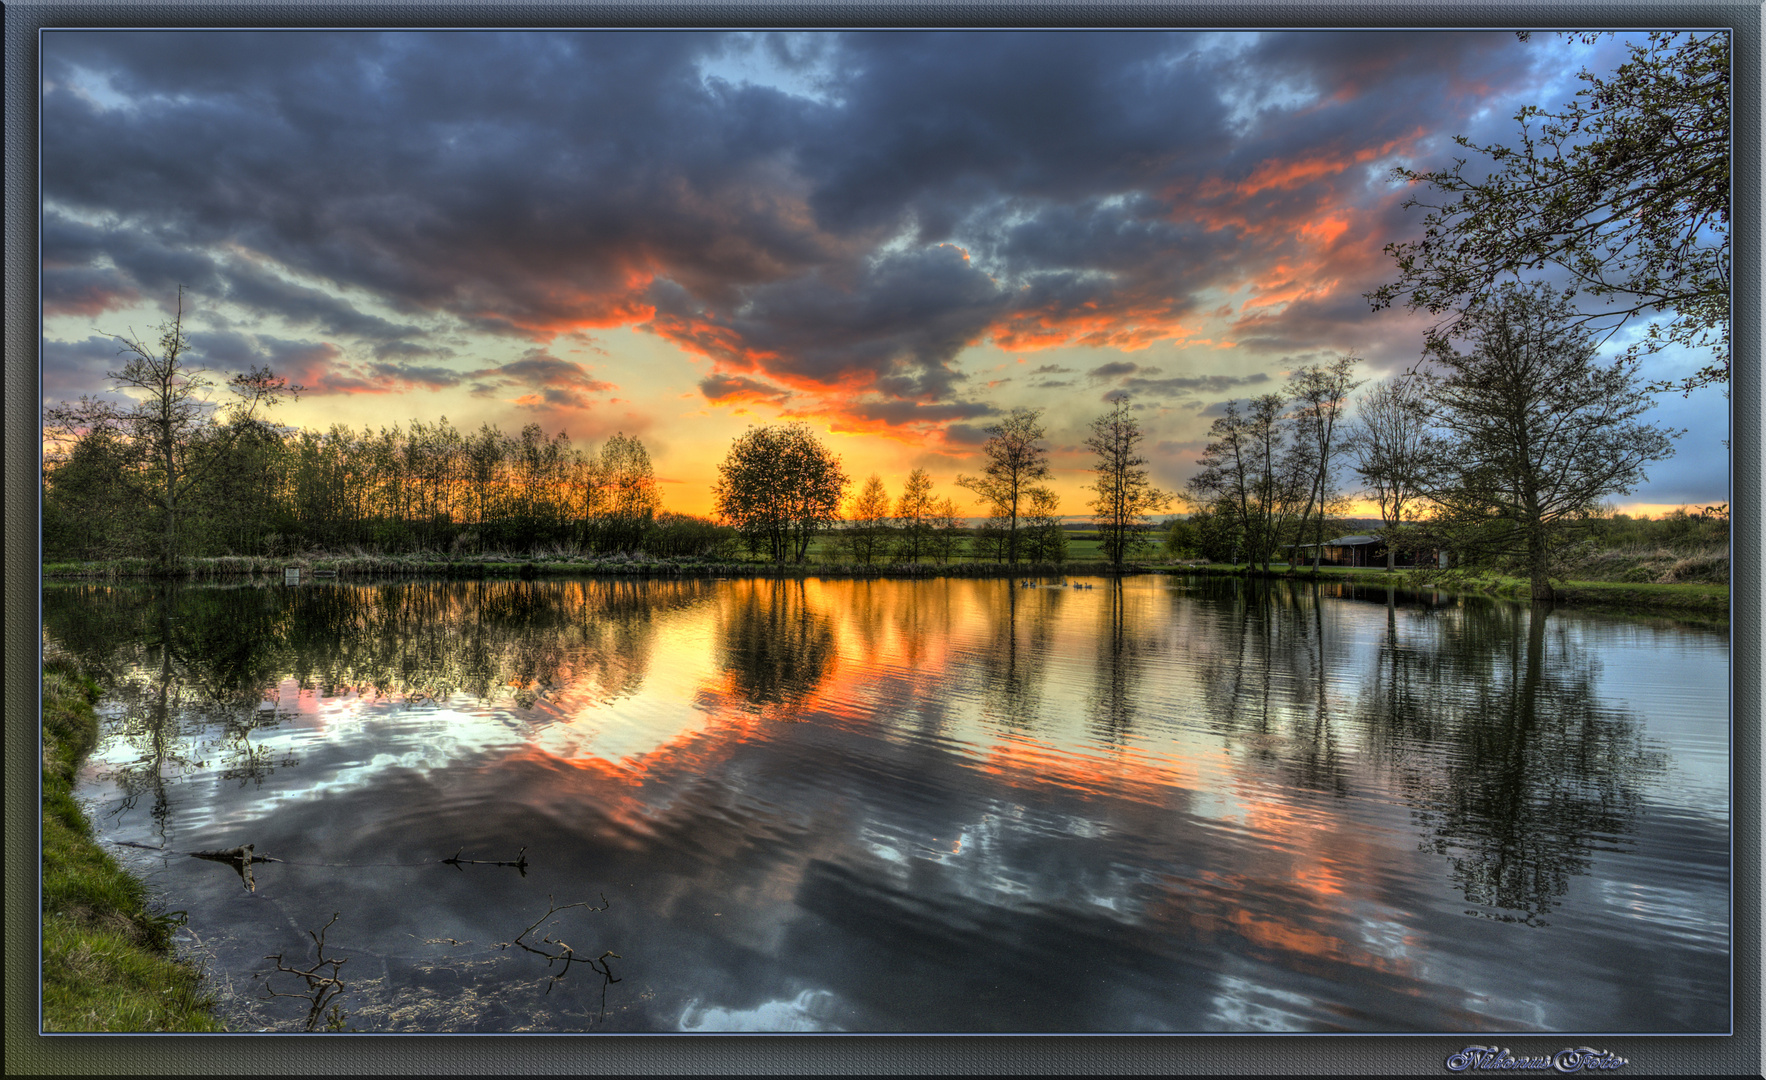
(1365, 551)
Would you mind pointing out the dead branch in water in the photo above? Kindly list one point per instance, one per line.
(565, 952)
(321, 989)
(241, 859)
(519, 862)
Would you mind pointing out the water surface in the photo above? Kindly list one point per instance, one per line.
(1162, 804)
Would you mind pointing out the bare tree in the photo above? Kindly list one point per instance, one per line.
(1391, 445)
(1016, 460)
(1320, 394)
(1124, 489)
(867, 522)
(913, 517)
(173, 412)
(1249, 475)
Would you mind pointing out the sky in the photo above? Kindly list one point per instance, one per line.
(894, 237)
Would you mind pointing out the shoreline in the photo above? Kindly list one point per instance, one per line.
(109, 963)
(326, 567)
(1702, 600)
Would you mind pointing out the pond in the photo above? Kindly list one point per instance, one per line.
(1156, 804)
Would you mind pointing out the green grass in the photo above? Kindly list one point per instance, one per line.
(108, 963)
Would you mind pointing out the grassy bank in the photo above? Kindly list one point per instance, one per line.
(1703, 599)
(108, 963)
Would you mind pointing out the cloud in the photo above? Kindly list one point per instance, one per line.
(1193, 384)
(551, 384)
(836, 236)
(738, 388)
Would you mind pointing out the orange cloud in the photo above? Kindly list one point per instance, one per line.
(1276, 174)
(1128, 328)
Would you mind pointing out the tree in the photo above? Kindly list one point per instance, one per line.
(945, 530)
(913, 517)
(1044, 540)
(779, 486)
(91, 508)
(1124, 489)
(868, 522)
(1250, 477)
(1320, 393)
(628, 485)
(172, 412)
(1625, 190)
(1016, 460)
(1535, 432)
(1391, 445)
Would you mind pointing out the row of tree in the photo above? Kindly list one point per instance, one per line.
(779, 486)
(170, 473)
(1503, 452)
(254, 488)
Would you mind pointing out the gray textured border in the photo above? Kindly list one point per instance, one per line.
(1739, 1054)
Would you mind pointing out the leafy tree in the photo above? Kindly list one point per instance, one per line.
(91, 509)
(1016, 460)
(868, 522)
(1625, 190)
(172, 412)
(1124, 489)
(1391, 445)
(1535, 432)
(243, 503)
(1182, 539)
(779, 486)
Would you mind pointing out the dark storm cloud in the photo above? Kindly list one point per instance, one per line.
(1194, 384)
(1088, 190)
(73, 368)
(896, 328)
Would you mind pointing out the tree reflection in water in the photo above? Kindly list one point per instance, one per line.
(775, 645)
(195, 673)
(1013, 670)
(1490, 726)
(1486, 723)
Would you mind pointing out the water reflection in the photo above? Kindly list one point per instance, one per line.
(775, 645)
(1493, 729)
(1204, 805)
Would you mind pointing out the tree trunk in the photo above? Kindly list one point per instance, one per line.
(1539, 566)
